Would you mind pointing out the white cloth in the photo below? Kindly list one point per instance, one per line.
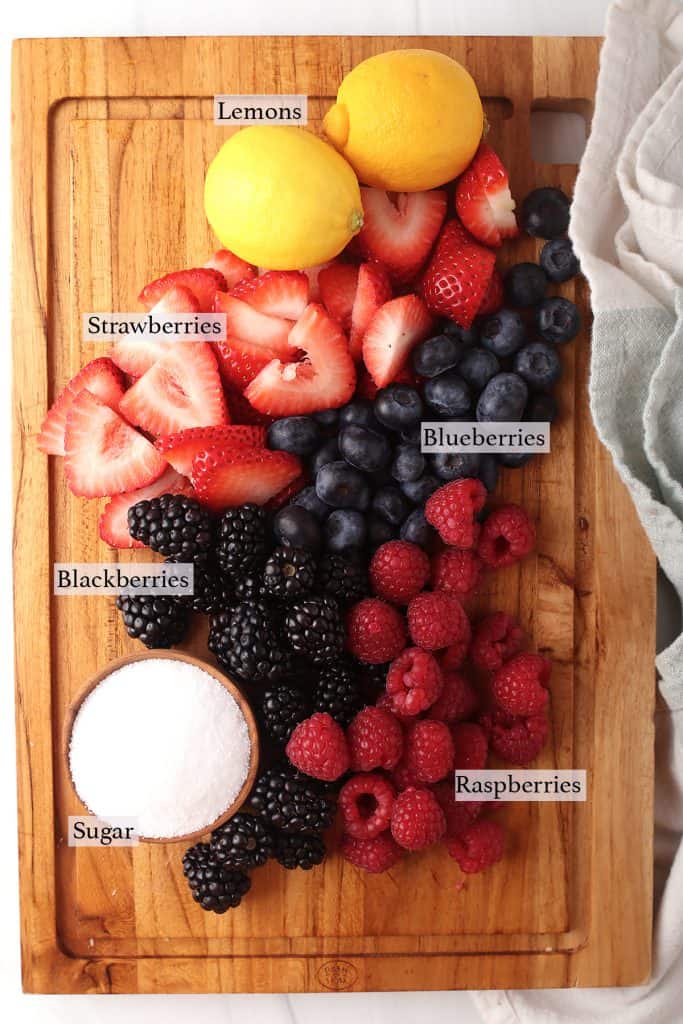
(627, 227)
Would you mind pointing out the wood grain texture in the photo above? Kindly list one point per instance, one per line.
(111, 141)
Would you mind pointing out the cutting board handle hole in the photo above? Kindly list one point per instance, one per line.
(497, 108)
(559, 130)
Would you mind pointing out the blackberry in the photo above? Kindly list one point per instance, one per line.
(213, 886)
(289, 572)
(289, 801)
(173, 525)
(246, 643)
(212, 591)
(249, 588)
(344, 578)
(314, 627)
(338, 692)
(304, 851)
(242, 842)
(281, 709)
(156, 621)
(241, 544)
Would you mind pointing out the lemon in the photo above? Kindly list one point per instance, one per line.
(407, 120)
(282, 198)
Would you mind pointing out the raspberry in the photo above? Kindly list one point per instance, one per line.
(458, 572)
(471, 746)
(458, 701)
(375, 740)
(399, 571)
(520, 685)
(453, 509)
(517, 740)
(365, 802)
(495, 639)
(453, 657)
(428, 750)
(459, 813)
(376, 632)
(437, 620)
(385, 701)
(480, 846)
(414, 681)
(403, 776)
(373, 855)
(318, 748)
(417, 820)
(507, 536)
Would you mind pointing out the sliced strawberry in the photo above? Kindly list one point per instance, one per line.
(374, 289)
(104, 454)
(231, 267)
(284, 496)
(313, 275)
(240, 361)
(245, 322)
(203, 282)
(226, 477)
(394, 330)
(325, 379)
(180, 449)
(114, 519)
(243, 412)
(483, 200)
(182, 389)
(400, 230)
(102, 379)
(338, 284)
(135, 355)
(281, 293)
(493, 300)
(458, 276)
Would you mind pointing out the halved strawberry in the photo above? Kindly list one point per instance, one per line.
(394, 330)
(231, 267)
(180, 449)
(245, 322)
(281, 293)
(182, 389)
(135, 355)
(493, 300)
(113, 525)
(102, 379)
(203, 282)
(243, 412)
(374, 289)
(458, 276)
(226, 477)
(483, 200)
(240, 361)
(338, 284)
(104, 455)
(325, 379)
(313, 275)
(400, 229)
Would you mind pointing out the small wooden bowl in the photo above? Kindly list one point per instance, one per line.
(232, 689)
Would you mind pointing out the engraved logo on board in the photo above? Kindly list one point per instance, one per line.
(337, 975)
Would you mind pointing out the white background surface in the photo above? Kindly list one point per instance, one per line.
(208, 17)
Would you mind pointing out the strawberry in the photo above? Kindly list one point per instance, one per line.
(226, 477)
(338, 284)
(135, 356)
(493, 300)
(243, 413)
(102, 379)
(182, 389)
(313, 275)
(104, 454)
(284, 496)
(114, 519)
(483, 200)
(180, 449)
(248, 324)
(325, 379)
(231, 267)
(394, 330)
(400, 232)
(458, 275)
(203, 282)
(240, 361)
(281, 293)
(374, 289)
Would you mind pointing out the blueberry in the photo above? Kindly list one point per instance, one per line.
(515, 460)
(417, 530)
(391, 504)
(541, 408)
(363, 448)
(488, 472)
(468, 336)
(558, 320)
(503, 332)
(342, 486)
(417, 491)
(399, 406)
(299, 435)
(503, 399)
(308, 499)
(328, 452)
(545, 213)
(559, 261)
(358, 412)
(413, 435)
(327, 417)
(408, 464)
(538, 364)
(295, 526)
(448, 395)
(477, 368)
(344, 529)
(436, 355)
(454, 465)
(525, 284)
(379, 531)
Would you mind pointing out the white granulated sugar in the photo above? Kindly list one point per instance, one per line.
(162, 741)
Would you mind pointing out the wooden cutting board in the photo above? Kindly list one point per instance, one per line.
(111, 141)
